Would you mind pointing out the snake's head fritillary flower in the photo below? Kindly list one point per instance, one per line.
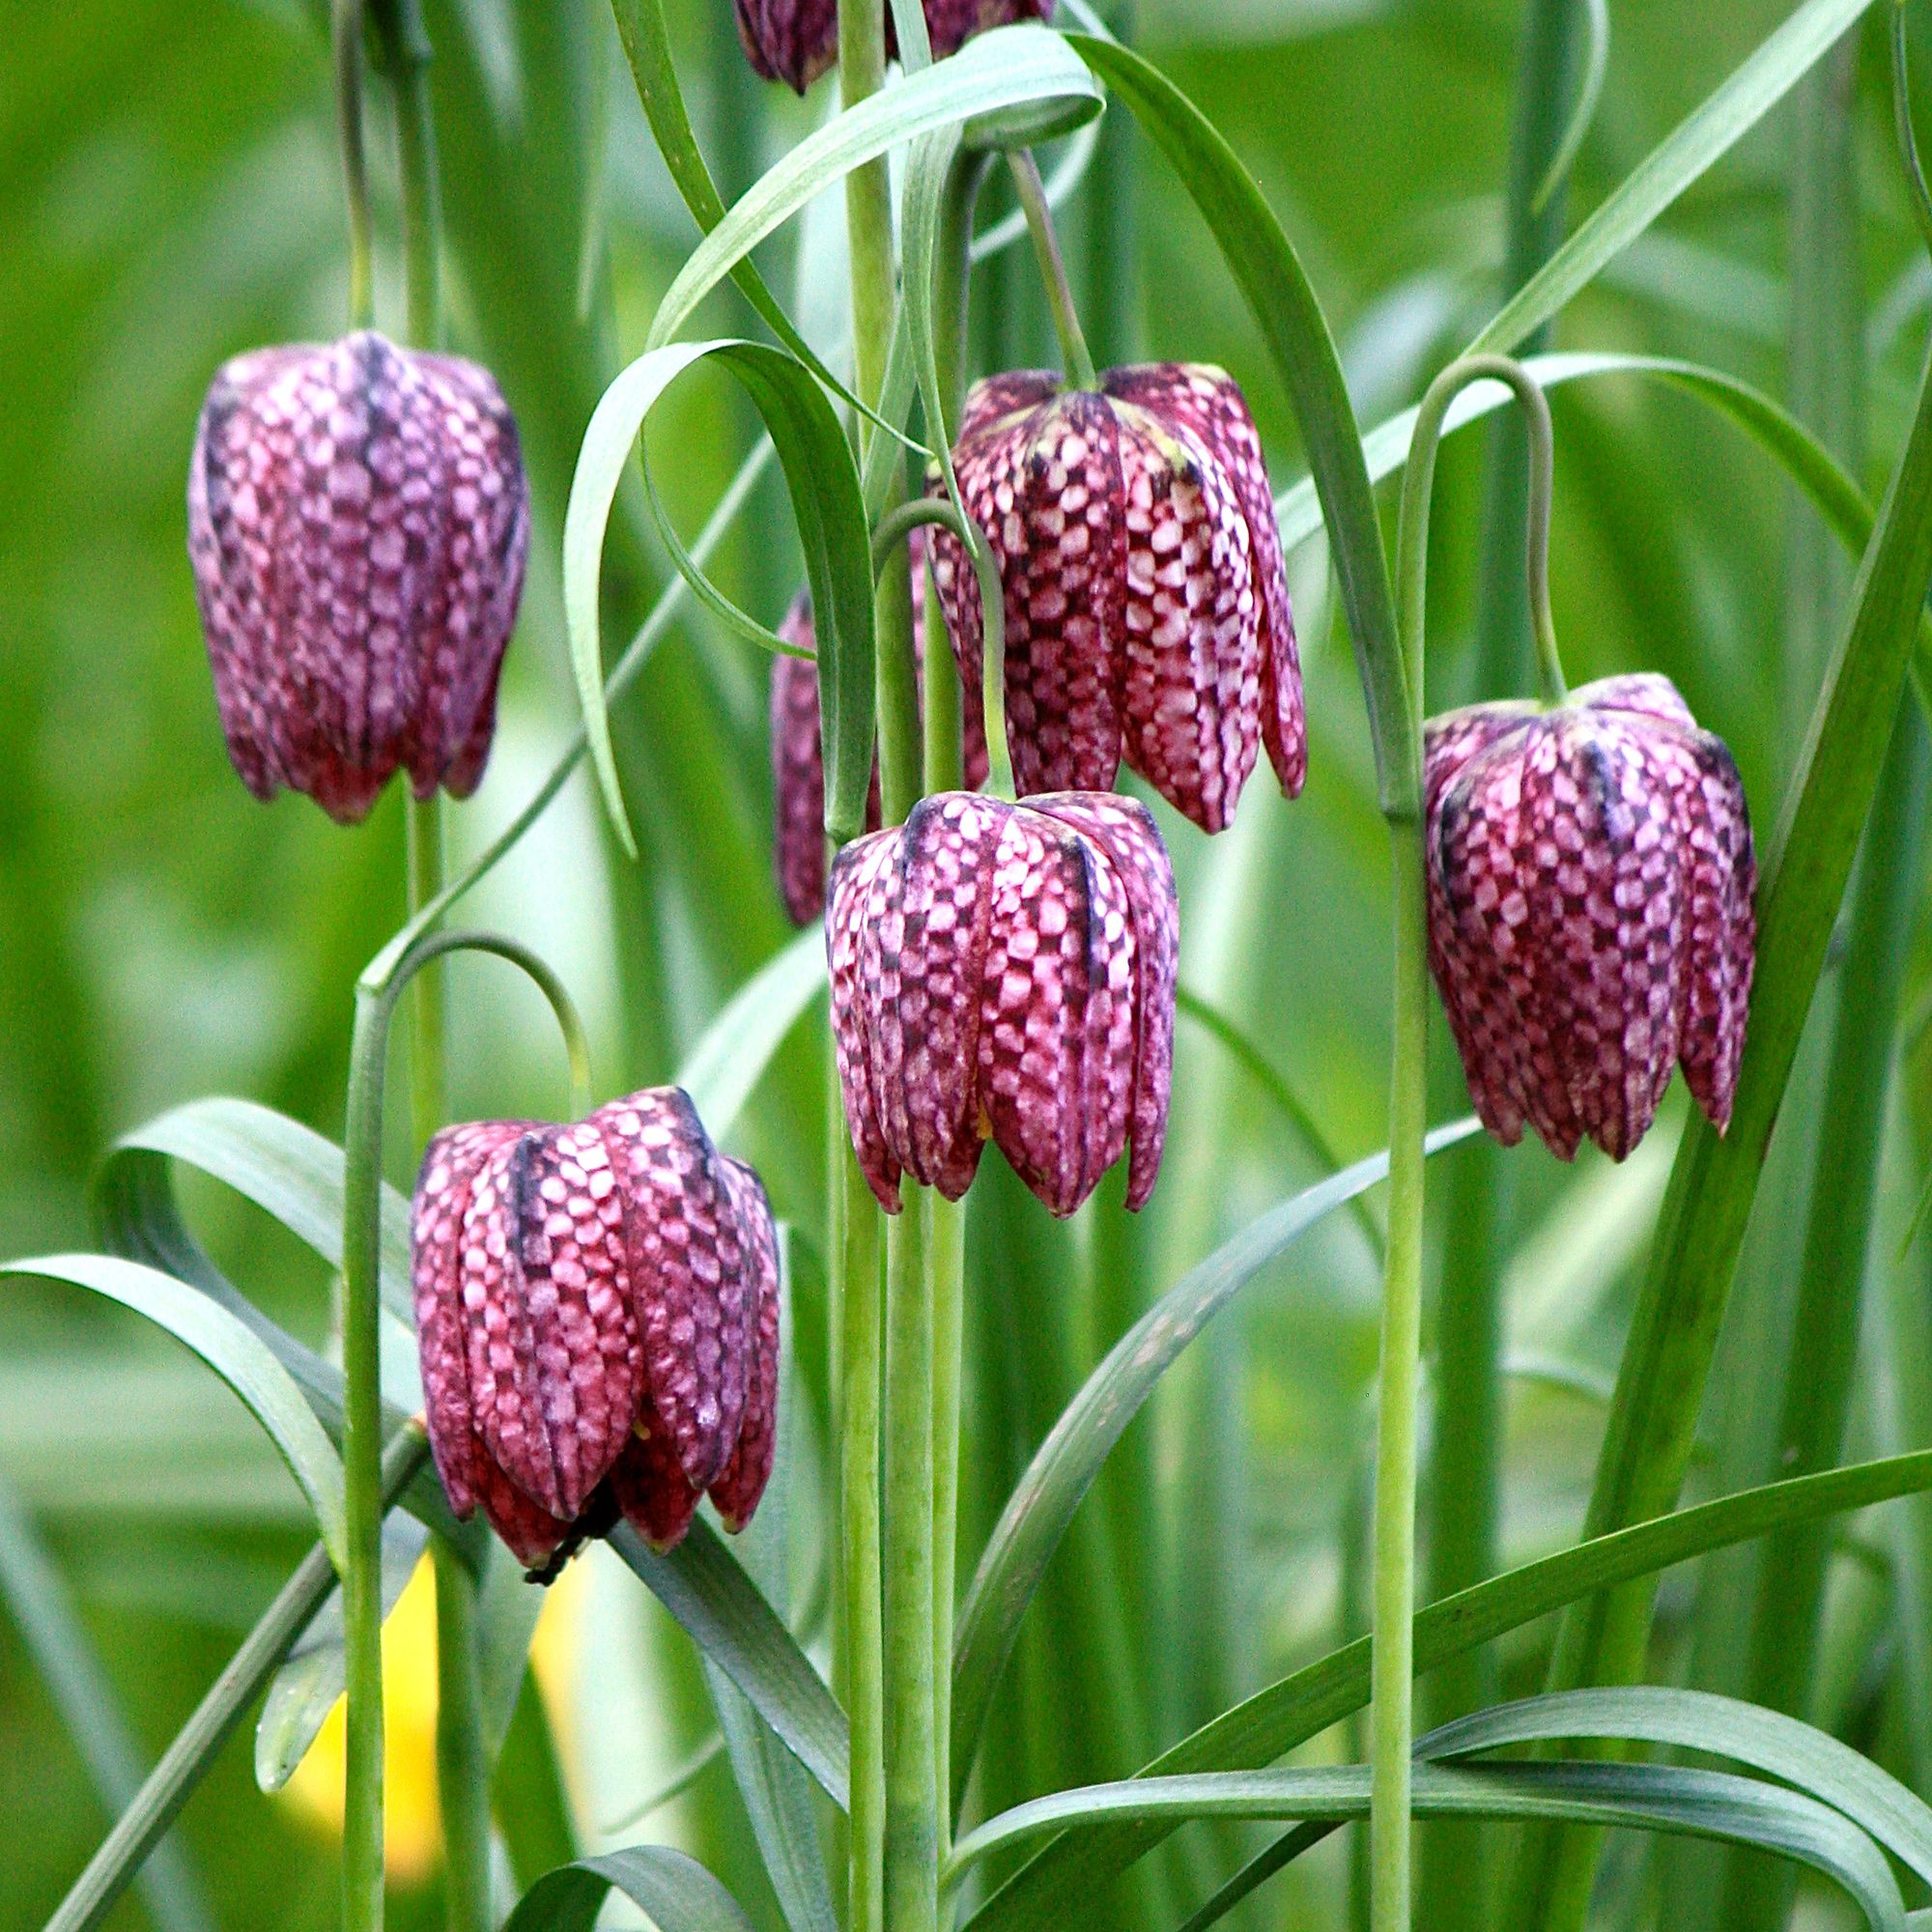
(1006, 972)
(1591, 920)
(798, 752)
(597, 1310)
(796, 40)
(1147, 601)
(357, 523)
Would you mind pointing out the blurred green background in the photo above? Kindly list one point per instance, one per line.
(168, 196)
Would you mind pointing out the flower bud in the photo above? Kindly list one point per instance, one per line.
(358, 523)
(798, 752)
(1006, 972)
(1591, 925)
(1147, 600)
(796, 40)
(597, 1312)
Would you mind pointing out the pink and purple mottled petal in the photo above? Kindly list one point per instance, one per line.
(1647, 692)
(736, 1492)
(650, 1485)
(358, 523)
(798, 775)
(449, 1166)
(1208, 402)
(534, 1536)
(856, 878)
(994, 399)
(1044, 487)
(686, 1272)
(1190, 685)
(792, 40)
(1124, 832)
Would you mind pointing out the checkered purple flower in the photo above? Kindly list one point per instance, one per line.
(1006, 972)
(796, 40)
(357, 523)
(1591, 881)
(798, 753)
(597, 1307)
(1147, 601)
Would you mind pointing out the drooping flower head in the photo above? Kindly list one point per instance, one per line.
(1591, 922)
(358, 523)
(796, 40)
(1146, 602)
(798, 752)
(597, 1307)
(1006, 972)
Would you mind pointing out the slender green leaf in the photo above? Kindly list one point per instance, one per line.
(1650, 1797)
(826, 501)
(1768, 1741)
(234, 1352)
(677, 1892)
(701, 1584)
(37, 1598)
(1298, 1706)
(1043, 1503)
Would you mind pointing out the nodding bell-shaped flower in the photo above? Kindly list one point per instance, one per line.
(798, 753)
(1146, 602)
(1006, 972)
(357, 521)
(796, 40)
(597, 1307)
(1590, 910)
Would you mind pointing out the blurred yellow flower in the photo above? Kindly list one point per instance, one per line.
(412, 1826)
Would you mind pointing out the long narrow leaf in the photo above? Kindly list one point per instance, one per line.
(1298, 1706)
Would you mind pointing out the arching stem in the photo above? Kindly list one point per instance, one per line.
(1391, 1715)
(1052, 269)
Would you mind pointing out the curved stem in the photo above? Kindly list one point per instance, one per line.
(1080, 369)
(1391, 1724)
(346, 25)
(1908, 138)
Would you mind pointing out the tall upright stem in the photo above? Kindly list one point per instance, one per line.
(1391, 1718)
(862, 1356)
(407, 46)
(912, 1800)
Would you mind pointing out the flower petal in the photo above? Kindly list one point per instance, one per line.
(859, 876)
(686, 1262)
(650, 1485)
(736, 1492)
(1124, 832)
(1190, 682)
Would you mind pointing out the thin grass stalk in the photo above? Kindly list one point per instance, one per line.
(863, 1357)
(1786, 1615)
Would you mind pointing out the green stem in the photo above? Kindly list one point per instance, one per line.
(429, 1063)
(912, 1808)
(862, 1356)
(406, 44)
(946, 1250)
(462, 1759)
(346, 25)
(1080, 369)
(1391, 1713)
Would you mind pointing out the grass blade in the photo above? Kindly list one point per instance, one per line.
(677, 1892)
